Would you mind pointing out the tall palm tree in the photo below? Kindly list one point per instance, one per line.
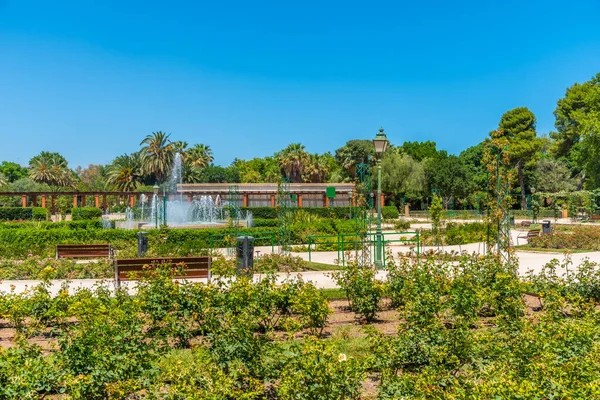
(292, 161)
(157, 155)
(125, 172)
(316, 169)
(50, 168)
(199, 156)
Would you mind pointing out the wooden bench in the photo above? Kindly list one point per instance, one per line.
(86, 251)
(528, 235)
(190, 267)
(595, 217)
(525, 224)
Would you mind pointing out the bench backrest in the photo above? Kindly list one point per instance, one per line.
(533, 233)
(191, 267)
(83, 251)
(525, 223)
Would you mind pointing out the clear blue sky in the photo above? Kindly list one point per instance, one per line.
(91, 78)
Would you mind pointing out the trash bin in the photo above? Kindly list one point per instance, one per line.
(512, 221)
(546, 227)
(142, 243)
(245, 254)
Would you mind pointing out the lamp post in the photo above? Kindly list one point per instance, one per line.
(155, 190)
(164, 207)
(381, 143)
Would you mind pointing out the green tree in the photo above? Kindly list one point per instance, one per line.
(259, 170)
(218, 174)
(50, 168)
(199, 156)
(450, 175)
(518, 127)
(577, 140)
(316, 169)
(402, 176)
(3, 180)
(91, 178)
(157, 155)
(125, 172)
(293, 160)
(12, 171)
(472, 159)
(553, 176)
(419, 150)
(355, 152)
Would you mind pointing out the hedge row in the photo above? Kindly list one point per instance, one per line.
(85, 213)
(23, 213)
(325, 212)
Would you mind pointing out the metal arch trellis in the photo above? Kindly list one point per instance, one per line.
(500, 199)
(233, 203)
(363, 207)
(284, 215)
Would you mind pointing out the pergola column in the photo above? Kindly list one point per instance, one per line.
(24, 200)
(299, 200)
(83, 200)
(325, 201)
(272, 200)
(74, 201)
(189, 197)
(131, 200)
(245, 199)
(43, 201)
(97, 200)
(382, 200)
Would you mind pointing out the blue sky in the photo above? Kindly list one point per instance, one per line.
(91, 78)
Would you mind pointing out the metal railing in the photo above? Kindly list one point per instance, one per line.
(354, 241)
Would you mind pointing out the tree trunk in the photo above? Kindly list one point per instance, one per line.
(522, 184)
(581, 180)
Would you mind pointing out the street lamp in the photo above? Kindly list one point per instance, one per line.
(155, 190)
(381, 143)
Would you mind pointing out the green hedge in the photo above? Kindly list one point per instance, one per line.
(325, 212)
(390, 212)
(262, 222)
(85, 213)
(23, 213)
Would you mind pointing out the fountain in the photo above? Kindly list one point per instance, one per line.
(198, 212)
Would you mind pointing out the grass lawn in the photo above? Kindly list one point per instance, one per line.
(314, 266)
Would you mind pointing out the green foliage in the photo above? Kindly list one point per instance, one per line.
(23, 213)
(362, 288)
(436, 213)
(390, 212)
(12, 171)
(85, 213)
(314, 370)
(401, 225)
(402, 175)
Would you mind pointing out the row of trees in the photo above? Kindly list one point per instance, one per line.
(564, 160)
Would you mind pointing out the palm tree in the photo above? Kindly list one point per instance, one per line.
(316, 169)
(292, 161)
(200, 156)
(157, 155)
(125, 172)
(50, 168)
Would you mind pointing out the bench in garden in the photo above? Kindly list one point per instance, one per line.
(86, 251)
(528, 235)
(187, 267)
(595, 217)
(525, 224)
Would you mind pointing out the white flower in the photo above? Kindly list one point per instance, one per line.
(342, 357)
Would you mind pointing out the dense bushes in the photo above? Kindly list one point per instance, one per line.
(456, 233)
(85, 213)
(23, 213)
(580, 238)
(390, 212)
(466, 329)
(325, 212)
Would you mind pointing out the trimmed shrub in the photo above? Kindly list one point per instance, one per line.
(262, 222)
(390, 212)
(85, 213)
(325, 212)
(401, 225)
(23, 213)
